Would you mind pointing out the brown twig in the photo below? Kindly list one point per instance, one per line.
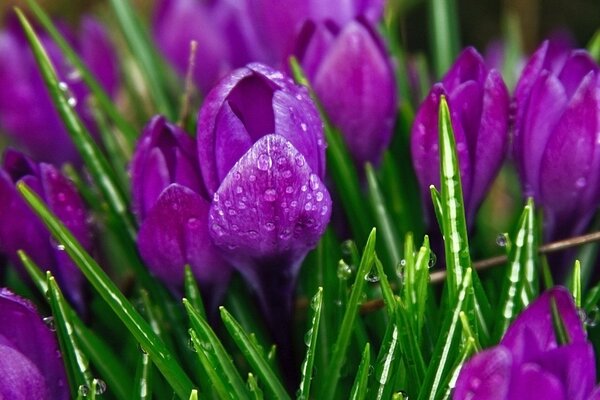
(189, 84)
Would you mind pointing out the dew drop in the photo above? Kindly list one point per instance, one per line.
(324, 210)
(238, 176)
(581, 182)
(231, 212)
(314, 302)
(252, 234)
(61, 197)
(216, 197)
(501, 240)
(289, 189)
(264, 162)
(84, 390)
(285, 234)
(281, 160)
(592, 318)
(74, 75)
(294, 203)
(67, 93)
(239, 190)
(319, 196)
(304, 127)
(299, 160)
(314, 181)
(270, 195)
(343, 271)
(432, 260)
(372, 276)
(241, 205)
(308, 206)
(60, 247)
(269, 226)
(49, 322)
(252, 178)
(192, 223)
(287, 173)
(100, 386)
(308, 337)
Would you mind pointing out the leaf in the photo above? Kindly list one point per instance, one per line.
(445, 42)
(192, 292)
(135, 323)
(388, 362)
(359, 388)
(576, 282)
(416, 278)
(253, 355)
(306, 369)
(411, 350)
(143, 378)
(214, 358)
(386, 289)
(254, 389)
(332, 375)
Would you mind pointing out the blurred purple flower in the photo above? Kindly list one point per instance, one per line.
(31, 366)
(351, 73)
(529, 363)
(20, 228)
(170, 201)
(262, 157)
(479, 107)
(27, 113)
(557, 136)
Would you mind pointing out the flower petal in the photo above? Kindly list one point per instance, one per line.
(486, 376)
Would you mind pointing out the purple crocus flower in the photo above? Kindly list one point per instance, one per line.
(20, 228)
(557, 136)
(529, 363)
(262, 157)
(170, 201)
(27, 113)
(351, 73)
(31, 366)
(479, 107)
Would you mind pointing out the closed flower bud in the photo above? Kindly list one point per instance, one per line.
(20, 228)
(479, 107)
(529, 362)
(262, 155)
(351, 73)
(557, 136)
(171, 203)
(31, 366)
(27, 113)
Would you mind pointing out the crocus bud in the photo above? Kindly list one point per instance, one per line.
(262, 156)
(557, 137)
(31, 366)
(21, 229)
(351, 73)
(27, 113)
(479, 108)
(171, 203)
(529, 363)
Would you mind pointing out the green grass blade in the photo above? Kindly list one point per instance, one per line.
(385, 222)
(76, 363)
(416, 278)
(411, 350)
(149, 62)
(227, 381)
(387, 362)
(254, 389)
(332, 376)
(388, 294)
(443, 24)
(360, 386)
(104, 100)
(513, 289)
(594, 46)
(194, 395)
(144, 378)
(576, 284)
(254, 356)
(306, 369)
(192, 292)
(135, 323)
(447, 346)
(95, 161)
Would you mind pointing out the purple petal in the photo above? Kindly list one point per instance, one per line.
(313, 43)
(356, 85)
(575, 69)
(22, 329)
(532, 333)
(271, 209)
(20, 379)
(569, 156)
(532, 382)
(486, 376)
(492, 138)
(175, 234)
(232, 140)
(469, 66)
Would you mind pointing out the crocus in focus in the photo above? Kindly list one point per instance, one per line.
(479, 107)
(351, 73)
(171, 203)
(27, 113)
(557, 137)
(529, 363)
(29, 366)
(262, 157)
(21, 229)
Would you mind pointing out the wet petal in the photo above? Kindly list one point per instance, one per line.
(486, 376)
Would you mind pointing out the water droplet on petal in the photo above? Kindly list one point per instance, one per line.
(308, 206)
(581, 182)
(304, 127)
(239, 190)
(289, 189)
(287, 173)
(252, 178)
(501, 240)
(192, 223)
(270, 195)
(319, 196)
(264, 162)
(269, 226)
(299, 160)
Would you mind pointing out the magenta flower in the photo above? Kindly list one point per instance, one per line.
(351, 73)
(479, 107)
(171, 203)
(20, 228)
(31, 366)
(529, 363)
(557, 136)
(27, 113)
(262, 157)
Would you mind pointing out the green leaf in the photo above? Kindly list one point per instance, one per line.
(254, 356)
(143, 378)
(192, 292)
(387, 362)
(521, 263)
(576, 282)
(411, 350)
(443, 25)
(446, 349)
(594, 46)
(144, 52)
(359, 389)
(254, 389)
(93, 158)
(104, 100)
(416, 278)
(332, 375)
(214, 358)
(76, 362)
(306, 368)
(386, 289)
(135, 323)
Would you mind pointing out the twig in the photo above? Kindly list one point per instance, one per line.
(189, 84)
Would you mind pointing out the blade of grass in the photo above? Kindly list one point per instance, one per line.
(254, 389)
(359, 388)
(387, 362)
(443, 23)
(143, 381)
(135, 323)
(411, 350)
(192, 292)
(332, 375)
(386, 290)
(306, 369)
(253, 355)
(576, 282)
